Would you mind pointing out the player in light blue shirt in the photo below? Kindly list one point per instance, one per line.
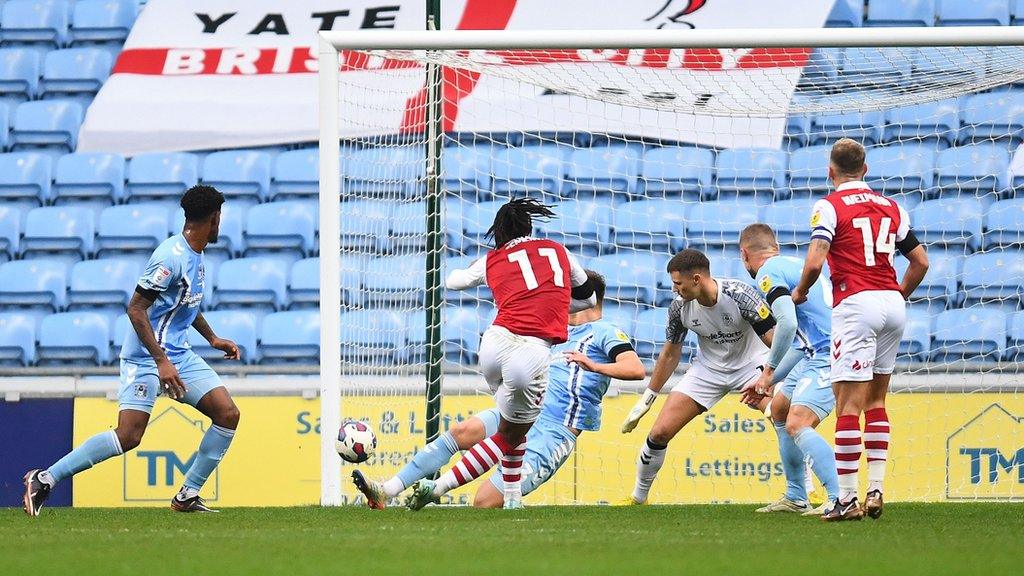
(800, 347)
(579, 374)
(156, 358)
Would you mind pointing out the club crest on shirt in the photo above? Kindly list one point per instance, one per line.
(727, 318)
(763, 311)
(765, 284)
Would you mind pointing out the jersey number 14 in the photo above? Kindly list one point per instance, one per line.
(884, 244)
(520, 257)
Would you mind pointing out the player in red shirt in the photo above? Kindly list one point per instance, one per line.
(858, 231)
(536, 284)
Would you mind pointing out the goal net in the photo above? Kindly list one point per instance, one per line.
(646, 143)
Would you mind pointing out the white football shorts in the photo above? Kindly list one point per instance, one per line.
(516, 369)
(866, 332)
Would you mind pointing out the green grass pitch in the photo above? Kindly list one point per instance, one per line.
(931, 539)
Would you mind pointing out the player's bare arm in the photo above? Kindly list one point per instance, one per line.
(138, 315)
(627, 365)
(226, 346)
(668, 361)
(918, 258)
(817, 253)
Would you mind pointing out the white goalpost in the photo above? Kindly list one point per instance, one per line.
(702, 132)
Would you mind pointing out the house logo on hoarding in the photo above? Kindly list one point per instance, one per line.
(985, 457)
(155, 471)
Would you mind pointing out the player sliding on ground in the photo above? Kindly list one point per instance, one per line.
(579, 374)
(733, 324)
(858, 230)
(156, 358)
(536, 284)
(800, 341)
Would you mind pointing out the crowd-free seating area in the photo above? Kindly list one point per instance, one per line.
(77, 228)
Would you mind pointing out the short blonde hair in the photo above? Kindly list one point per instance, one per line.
(758, 238)
(847, 157)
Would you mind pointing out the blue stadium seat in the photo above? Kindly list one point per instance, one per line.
(232, 220)
(409, 225)
(969, 334)
(287, 226)
(534, 168)
(798, 126)
(19, 74)
(131, 227)
(993, 278)
(649, 334)
(974, 13)
(104, 282)
(466, 170)
(808, 170)
(658, 225)
(239, 174)
(949, 222)
(10, 233)
(386, 172)
(394, 280)
(1004, 224)
(292, 336)
(259, 283)
(35, 283)
(939, 288)
(791, 220)
(865, 127)
(675, 171)
(75, 71)
(365, 224)
(481, 294)
(162, 175)
(603, 170)
(477, 218)
(955, 62)
(35, 22)
(751, 169)
(106, 21)
(916, 343)
(17, 339)
(304, 282)
(820, 71)
(994, 116)
(235, 325)
(719, 223)
(929, 122)
(901, 13)
(583, 227)
(1015, 338)
(907, 170)
(89, 177)
(630, 276)
(979, 169)
(463, 328)
(876, 65)
(846, 14)
(77, 338)
(59, 230)
(47, 123)
(372, 335)
(621, 316)
(296, 174)
(1017, 10)
(25, 176)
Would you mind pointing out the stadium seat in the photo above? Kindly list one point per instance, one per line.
(47, 123)
(239, 174)
(808, 170)
(34, 283)
(949, 222)
(365, 225)
(106, 21)
(35, 22)
(304, 282)
(17, 339)
(675, 171)
(791, 220)
(751, 170)
(993, 278)
(865, 127)
(718, 223)
(104, 282)
(534, 168)
(463, 327)
(19, 74)
(25, 177)
(583, 227)
(372, 335)
(296, 175)
(969, 334)
(977, 169)
(657, 225)
(10, 233)
(75, 71)
(974, 13)
(916, 342)
(235, 325)
(630, 276)
(938, 290)
(118, 333)
(1015, 338)
(481, 294)
(649, 334)
(1004, 224)
(466, 170)
(477, 218)
(94, 178)
(1017, 10)
(56, 230)
(901, 13)
(394, 280)
(621, 316)
(929, 122)
(77, 338)
(287, 226)
(259, 283)
(821, 71)
(388, 171)
(878, 66)
(846, 14)
(292, 336)
(603, 170)
(131, 227)
(161, 175)
(953, 64)
(409, 225)
(997, 116)
(906, 171)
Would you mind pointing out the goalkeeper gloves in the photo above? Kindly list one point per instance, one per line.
(642, 406)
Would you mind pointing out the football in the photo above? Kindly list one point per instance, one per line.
(356, 442)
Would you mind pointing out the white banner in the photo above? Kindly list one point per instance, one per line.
(204, 74)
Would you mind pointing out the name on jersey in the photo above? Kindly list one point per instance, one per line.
(853, 199)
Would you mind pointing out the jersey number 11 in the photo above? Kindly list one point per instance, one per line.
(520, 257)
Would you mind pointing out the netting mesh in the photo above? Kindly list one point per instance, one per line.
(643, 153)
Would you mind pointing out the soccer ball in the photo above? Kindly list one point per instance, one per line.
(355, 442)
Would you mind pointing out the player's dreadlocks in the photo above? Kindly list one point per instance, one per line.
(515, 219)
(200, 201)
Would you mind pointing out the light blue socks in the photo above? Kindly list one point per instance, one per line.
(93, 451)
(426, 462)
(823, 459)
(792, 464)
(215, 444)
